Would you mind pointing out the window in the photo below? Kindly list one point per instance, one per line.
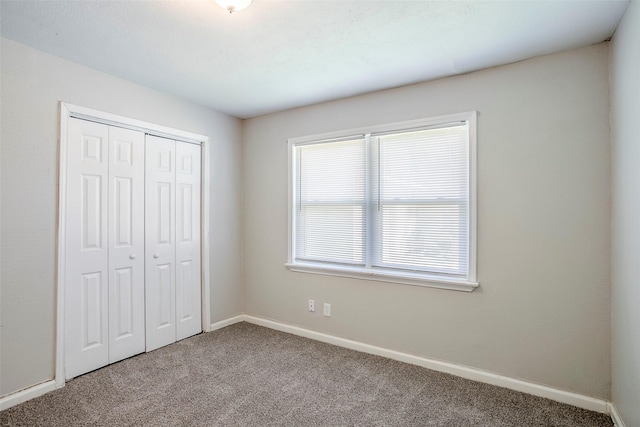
(392, 203)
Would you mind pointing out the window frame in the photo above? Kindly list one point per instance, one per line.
(385, 274)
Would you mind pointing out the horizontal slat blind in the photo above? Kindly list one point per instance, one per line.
(422, 207)
(393, 202)
(330, 202)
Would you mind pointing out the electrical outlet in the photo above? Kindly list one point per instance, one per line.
(327, 309)
(312, 305)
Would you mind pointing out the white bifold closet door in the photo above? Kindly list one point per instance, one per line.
(104, 292)
(132, 244)
(172, 227)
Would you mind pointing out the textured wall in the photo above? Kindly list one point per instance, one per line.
(542, 312)
(33, 83)
(625, 105)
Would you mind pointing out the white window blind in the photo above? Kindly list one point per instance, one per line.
(393, 201)
(422, 211)
(331, 200)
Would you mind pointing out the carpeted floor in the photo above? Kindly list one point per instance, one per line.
(246, 375)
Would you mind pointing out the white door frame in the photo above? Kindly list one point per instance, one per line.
(68, 111)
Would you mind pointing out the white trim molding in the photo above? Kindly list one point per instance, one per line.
(67, 111)
(205, 239)
(615, 416)
(227, 322)
(474, 374)
(29, 393)
(383, 275)
(574, 399)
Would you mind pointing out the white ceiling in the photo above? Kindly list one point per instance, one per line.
(279, 54)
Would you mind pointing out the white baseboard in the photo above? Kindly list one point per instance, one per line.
(13, 399)
(562, 396)
(226, 322)
(615, 416)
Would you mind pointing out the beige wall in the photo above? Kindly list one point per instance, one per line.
(33, 83)
(625, 106)
(542, 312)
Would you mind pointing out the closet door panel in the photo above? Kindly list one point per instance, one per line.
(126, 243)
(188, 262)
(86, 247)
(160, 292)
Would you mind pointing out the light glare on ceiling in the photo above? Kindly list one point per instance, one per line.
(234, 5)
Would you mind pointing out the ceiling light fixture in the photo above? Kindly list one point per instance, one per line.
(234, 5)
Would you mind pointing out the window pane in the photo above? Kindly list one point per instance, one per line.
(430, 237)
(422, 220)
(331, 184)
(332, 171)
(427, 165)
(332, 233)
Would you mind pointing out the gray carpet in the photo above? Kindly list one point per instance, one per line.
(246, 375)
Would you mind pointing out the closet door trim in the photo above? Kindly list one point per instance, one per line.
(68, 111)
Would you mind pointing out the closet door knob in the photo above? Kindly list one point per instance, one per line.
(132, 256)
(156, 256)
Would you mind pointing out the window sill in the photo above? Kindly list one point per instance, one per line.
(413, 279)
